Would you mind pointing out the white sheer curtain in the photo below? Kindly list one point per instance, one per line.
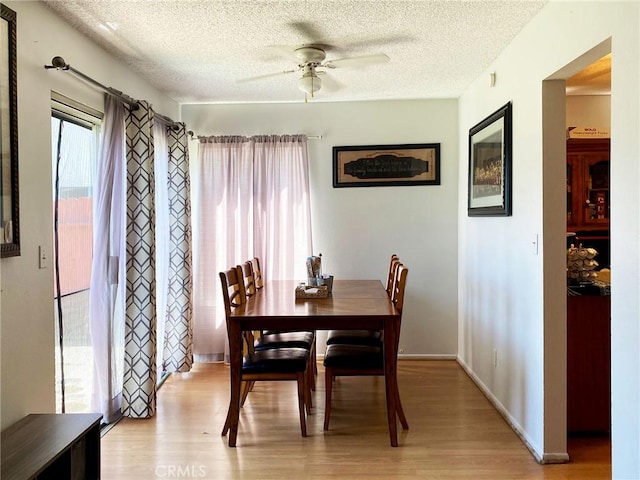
(251, 198)
(282, 218)
(108, 278)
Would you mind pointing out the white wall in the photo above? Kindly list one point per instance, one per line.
(357, 229)
(589, 111)
(504, 302)
(27, 315)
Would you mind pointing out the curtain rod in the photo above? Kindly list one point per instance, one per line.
(195, 137)
(59, 64)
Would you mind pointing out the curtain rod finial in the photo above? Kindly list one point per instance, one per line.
(59, 62)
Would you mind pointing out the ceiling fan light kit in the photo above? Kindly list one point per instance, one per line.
(309, 82)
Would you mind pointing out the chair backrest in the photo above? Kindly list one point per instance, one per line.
(399, 283)
(393, 264)
(257, 273)
(233, 293)
(249, 279)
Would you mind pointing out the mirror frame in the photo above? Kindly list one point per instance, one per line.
(10, 117)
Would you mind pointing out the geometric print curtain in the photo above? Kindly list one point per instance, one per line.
(139, 382)
(178, 341)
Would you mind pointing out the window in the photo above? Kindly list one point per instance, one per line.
(74, 138)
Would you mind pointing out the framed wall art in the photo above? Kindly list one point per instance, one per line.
(386, 165)
(9, 211)
(490, 165)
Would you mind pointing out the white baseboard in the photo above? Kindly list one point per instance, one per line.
(418, 356)
(542, 458)
(421, 356)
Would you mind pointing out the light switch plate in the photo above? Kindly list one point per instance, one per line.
(43, 260)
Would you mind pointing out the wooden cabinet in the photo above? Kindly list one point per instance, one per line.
(589, 364)
(52, 446)
(588, 184)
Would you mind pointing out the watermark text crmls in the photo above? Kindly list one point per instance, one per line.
(181, 471)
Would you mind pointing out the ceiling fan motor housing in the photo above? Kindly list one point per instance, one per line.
(310, 54)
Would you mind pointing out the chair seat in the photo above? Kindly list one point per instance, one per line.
(285, 339)
(276, 360)
(344, 356)
(355, 337)
(269, 332)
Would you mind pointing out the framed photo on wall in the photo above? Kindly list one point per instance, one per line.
(9, 209)
(386, 165)
(490, 165)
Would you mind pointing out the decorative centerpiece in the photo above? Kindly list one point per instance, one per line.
(314, 270)
(581, 264)
(318, 285)
(304, 291)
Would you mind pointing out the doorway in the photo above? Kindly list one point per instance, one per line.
(588, 120)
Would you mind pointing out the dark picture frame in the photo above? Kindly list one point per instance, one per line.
(386, 165)
(489, 192)
(9, 207)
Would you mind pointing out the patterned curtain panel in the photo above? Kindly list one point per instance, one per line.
(139, 385)
(178, 341)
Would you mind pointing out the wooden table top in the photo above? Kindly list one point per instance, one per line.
(351, 300)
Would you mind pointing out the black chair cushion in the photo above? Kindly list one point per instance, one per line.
(285, 339)
(276, 360)
(353, 357)
(355, 337)
(268, 332)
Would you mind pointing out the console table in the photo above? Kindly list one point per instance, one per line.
(52, 446)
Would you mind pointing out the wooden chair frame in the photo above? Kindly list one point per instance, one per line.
(397, 297)
(234, 295)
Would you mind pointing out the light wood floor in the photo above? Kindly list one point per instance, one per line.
(454, 433)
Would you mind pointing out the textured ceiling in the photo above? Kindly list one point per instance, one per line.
(198, 50)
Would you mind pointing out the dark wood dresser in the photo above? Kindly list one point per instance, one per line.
(52, 446)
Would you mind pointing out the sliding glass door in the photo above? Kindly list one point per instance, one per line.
(74, 153)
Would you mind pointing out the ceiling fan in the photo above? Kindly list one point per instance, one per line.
(311, 63)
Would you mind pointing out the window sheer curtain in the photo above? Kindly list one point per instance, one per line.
(107, 291)
(251, 198)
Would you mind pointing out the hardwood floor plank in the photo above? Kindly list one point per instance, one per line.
(455, 433)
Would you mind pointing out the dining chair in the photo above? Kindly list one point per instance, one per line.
(357, 360)
(257, 273)
(248, 278)
(365, 337)
(276, 364)
(272, 338)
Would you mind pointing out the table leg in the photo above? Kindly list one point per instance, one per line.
(235, 353)
(390, 378)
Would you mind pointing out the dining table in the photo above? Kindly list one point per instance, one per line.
(352, 304)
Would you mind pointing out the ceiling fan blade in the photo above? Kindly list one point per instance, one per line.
(313, 37)
(375, 41)
(362, 61)
(262, 77)
(284, 51)
(308, 30)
